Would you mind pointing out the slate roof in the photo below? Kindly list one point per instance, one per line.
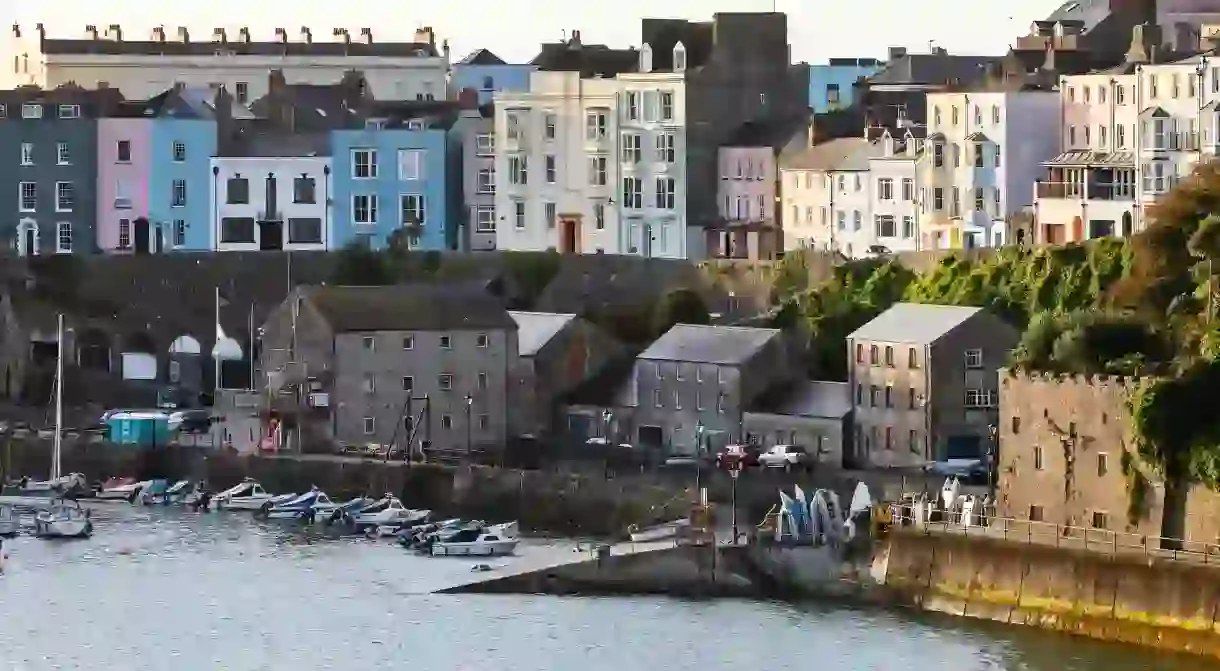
(536, 329)
(806, 398)
(481, 57)
(825, 156)
(408, 307)
(934, 69)
(209, 48)
(914, 323)
(587, 59)
(662, 35)
(283, 144)
(595, 282)
(723, 345)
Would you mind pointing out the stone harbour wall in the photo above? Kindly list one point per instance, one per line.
(1162, 603)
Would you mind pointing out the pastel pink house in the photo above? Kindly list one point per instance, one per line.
(747, 227)
(124, 169)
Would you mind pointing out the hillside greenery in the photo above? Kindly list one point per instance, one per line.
(1146, 306)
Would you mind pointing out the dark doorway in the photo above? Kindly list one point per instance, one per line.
(569, 236)
(31, 241)
(651, 436)
(1127, 224)
(158, 241)
(93, 350)
(141, 236)
(270, 236)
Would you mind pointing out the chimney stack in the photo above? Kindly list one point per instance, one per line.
(468, 99)
(897, 52)
(306, 35)
(17, 30)
(366, 35)
(158, 34)
(184, 35)
(91, 32)
(342, 35)
(42, 31)
(218, 35)
(425, 36)
(281, 35)
(115, 32)
(1145, 43)
(243, 35)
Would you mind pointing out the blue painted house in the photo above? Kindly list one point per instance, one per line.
(487, 73)
(398, 172)
(831, 86)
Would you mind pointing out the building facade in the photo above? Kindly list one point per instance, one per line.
(49, 141)
(143, 68)
(269, 203)
(393, 178)
(826, 193)
(748, 176)
(894, 198)
(488, 74)
(924, 384)
(832, 85)
(124, 175)
(475, 131)
(984, 152)
(182, 150)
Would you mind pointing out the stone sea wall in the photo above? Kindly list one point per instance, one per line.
(1162, 603)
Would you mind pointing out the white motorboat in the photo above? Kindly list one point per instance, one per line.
(307, 506)
(388, 512)
(182, 491)
(121, 489)
(10, 521)
(63, 520)
(659, 532)
(249, 495)
(470, 541)
(66, 485)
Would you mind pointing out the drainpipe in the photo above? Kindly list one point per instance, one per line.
(326, 211)
(1139, 141)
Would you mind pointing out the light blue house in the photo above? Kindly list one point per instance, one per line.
(396, 173)
(487, 73)
(831, 86)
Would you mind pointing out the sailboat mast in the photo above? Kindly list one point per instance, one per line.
(59, 397)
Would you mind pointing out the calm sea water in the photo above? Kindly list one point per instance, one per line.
(161, 589)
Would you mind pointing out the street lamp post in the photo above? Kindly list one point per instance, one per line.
(699, 429)
(469, 404)
(734, 471)
(607, 417)
(993, 433)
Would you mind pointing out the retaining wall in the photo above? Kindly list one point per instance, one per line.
(1159, 603)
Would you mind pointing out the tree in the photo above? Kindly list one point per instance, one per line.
(357, 265)
(680, 306)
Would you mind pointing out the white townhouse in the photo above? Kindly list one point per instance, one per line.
(143, 68)
(894, 202)
(593, 165)
(826, 195)
(984, 151)
(270, 203)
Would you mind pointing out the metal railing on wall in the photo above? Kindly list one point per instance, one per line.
(1090, 539)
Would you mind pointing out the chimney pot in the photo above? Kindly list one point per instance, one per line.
(243, 35)
(342, 34)
(158, 34)
(115, 32)
(366, 35)
(91, 32)
(17, 30)
(218, 35)
(184, 35)
(281, 34)
(306, 35)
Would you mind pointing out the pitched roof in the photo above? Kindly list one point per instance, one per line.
(915, 323)
(825, 156)
(662, 35)
(236, 48)
(1093, 158)
(595, 282)
(806, 398)
(724, 345)
(587, 59)
(536, 329)
(408, 307)
(481, 57)
(934, 69)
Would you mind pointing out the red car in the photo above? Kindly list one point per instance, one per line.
(737, 456)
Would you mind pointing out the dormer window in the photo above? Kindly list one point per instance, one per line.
(646, 58)
(31, 111)
(679, 57)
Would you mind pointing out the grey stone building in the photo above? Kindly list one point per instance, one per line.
(48, 157)
(815, 415)
(924, 383)
(475, 130)
(380, 364)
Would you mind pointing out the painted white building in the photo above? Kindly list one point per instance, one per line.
(271, 203)
(595, 165)
(143, 68)
(894, 203)
(1089, 189)
(824, 192)
(983, 153)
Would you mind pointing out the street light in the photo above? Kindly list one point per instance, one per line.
(699, 461)
(607, 417)
(469, 403)
(993, 433)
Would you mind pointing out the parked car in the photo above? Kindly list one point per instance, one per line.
(739, 456)
(787, 457)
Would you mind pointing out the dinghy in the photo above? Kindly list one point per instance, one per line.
(659, 532)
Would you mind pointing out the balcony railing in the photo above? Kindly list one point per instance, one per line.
(1082, 191)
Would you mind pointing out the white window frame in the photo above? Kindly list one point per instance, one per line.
(444, 381)
(179, 185)
(63, 154)
(885, 188)
(367, 168)
(518, 169)
(632, 151)
(485, 144)
(410, 164)
(599, 216)
(69, 111)
(485, 219)
(667, 105)
(370, 426)
(550, 165)
(21, 189)
(31, 111)
(179, 233)
(519, 215)
(413, 203)
(63, 237)
(487, 180)
(667, 193)
(633, 193)
(549, 122)
(666, 148)
(27, 153)
(974, 358)
(598, 170)
(370, 203)
(60, 187)
(124, 234)
(597, 124)
(633, 105)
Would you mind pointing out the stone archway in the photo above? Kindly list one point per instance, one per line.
(185, 344)
(93, 350)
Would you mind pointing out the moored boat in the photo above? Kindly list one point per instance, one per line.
(10, 521)
(121, 489)
(63, 520)
(70, 485)
(659, 532)
(304, 507)
(388, 512)
(249, 495)
(471, 541)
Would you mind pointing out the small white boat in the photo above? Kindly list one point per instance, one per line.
(249, 495)
(389, 512)
(121, 489)
(471, 541)
(60, 486)
(63, 520)
(307, 506)
(10, 521)
(659, 532)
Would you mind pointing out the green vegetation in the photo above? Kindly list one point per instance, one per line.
(1145, 306)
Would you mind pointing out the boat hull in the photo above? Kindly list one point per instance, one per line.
(61, 528)
(10, 522)
(244, 502)
(476, 549)
(659, 533)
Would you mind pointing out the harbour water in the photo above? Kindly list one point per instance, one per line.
(164, 589)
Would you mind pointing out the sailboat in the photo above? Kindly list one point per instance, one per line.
(62, 518)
